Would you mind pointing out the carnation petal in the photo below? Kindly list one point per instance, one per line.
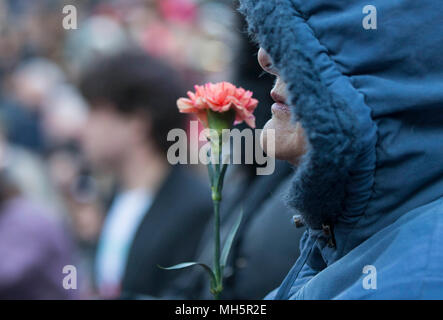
(185, 105)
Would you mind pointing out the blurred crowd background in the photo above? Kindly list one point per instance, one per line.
(43, 114)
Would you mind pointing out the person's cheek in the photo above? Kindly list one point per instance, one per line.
(288, 139)
(294, 144)
(275, 137)
(95, 138)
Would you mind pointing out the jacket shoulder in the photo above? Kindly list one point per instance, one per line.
(406, 259)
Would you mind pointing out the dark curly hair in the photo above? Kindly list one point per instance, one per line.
(133, 82)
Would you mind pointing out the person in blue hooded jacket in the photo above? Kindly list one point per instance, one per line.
(365, 132)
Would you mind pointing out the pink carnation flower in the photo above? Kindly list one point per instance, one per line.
(220, 97)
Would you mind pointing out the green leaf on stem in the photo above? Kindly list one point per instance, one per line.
(185, 265)
(222, 176)
(211, 173)
(230, 240)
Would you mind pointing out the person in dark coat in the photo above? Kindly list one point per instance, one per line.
(359, 111)
(168, 234)
(158, 212)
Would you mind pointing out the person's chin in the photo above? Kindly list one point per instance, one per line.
(288, 142)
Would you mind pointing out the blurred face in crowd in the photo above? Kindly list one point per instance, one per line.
(109, 136)
(290, 144)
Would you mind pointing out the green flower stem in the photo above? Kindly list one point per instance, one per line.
(217, 186)
(217, 268)
(216, 171)
(217, 122)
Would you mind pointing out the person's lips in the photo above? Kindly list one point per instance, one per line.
(279, 106)
(277, 97)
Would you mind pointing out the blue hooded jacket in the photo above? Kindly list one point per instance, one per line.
(370, 187)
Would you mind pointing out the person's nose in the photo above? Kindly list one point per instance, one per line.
(265, 61)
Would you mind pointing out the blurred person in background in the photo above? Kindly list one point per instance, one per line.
(42, 114)
(34, 248)
(158, 212)
(24, 91)
(84, 199)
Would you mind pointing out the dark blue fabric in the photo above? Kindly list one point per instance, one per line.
(371, 102)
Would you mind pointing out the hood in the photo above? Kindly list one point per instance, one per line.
(370, 101)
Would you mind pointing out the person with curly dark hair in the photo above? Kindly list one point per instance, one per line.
(159, 211)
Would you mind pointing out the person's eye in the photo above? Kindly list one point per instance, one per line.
(271, 70)
(266, 63)
(269, 67)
